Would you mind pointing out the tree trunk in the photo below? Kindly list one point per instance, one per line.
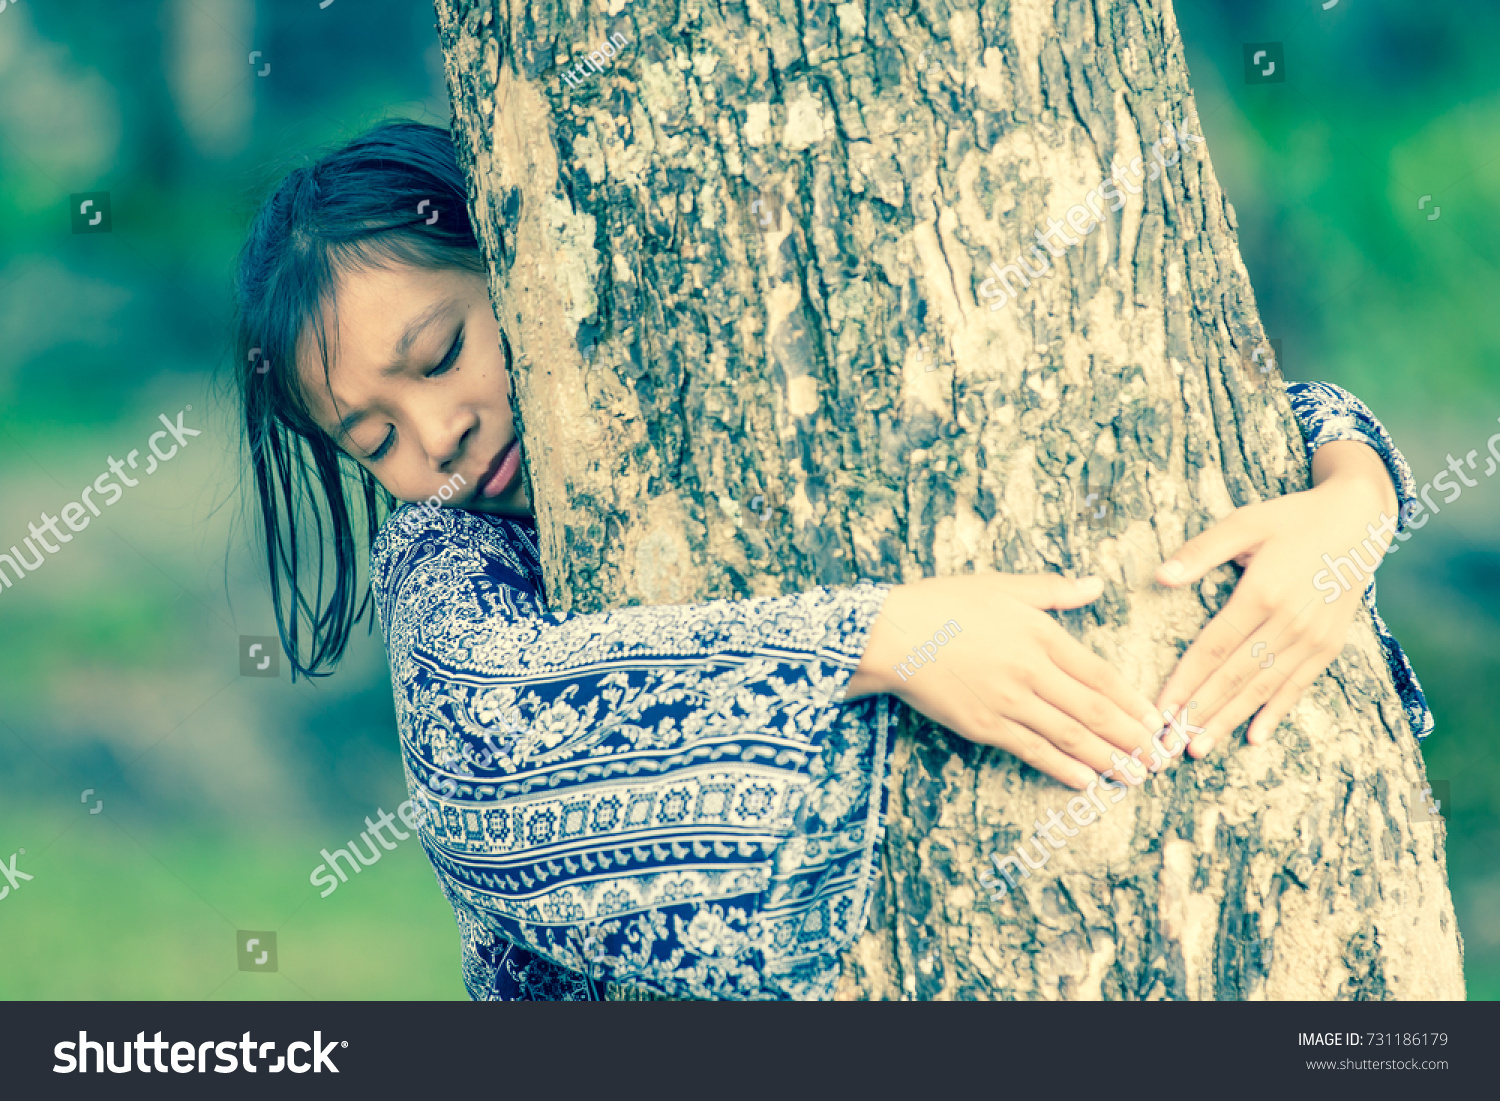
(746, 266)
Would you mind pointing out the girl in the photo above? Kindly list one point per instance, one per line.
(688, 798)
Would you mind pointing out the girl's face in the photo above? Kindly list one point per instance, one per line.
(417, 389)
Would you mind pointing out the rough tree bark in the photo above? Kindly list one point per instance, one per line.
(743, 268)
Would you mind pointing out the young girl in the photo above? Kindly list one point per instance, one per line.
(686, 798)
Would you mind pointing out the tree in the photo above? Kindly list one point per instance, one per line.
(765, 265)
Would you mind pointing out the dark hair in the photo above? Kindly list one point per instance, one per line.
(359, 207)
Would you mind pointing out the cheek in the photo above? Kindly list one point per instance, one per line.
(401, 483)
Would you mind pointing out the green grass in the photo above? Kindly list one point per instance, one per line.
(108, 917)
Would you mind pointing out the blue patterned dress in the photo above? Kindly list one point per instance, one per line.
(673, 797)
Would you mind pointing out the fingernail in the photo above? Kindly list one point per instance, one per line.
(1207, 745)
(1173, 570)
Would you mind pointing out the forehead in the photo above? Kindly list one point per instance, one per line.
(371, 308)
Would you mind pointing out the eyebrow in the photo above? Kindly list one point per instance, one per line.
(408, 337)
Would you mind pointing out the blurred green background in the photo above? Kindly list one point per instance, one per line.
(119, 661)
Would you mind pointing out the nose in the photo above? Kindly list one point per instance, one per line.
(444, 432)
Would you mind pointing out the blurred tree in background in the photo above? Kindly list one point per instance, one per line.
(119, 659)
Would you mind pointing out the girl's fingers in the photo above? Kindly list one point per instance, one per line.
(1031, 748)
(1253, 657)
(1064, 732)
(1287, 637)
(1286, 697)
(1234, 535)
(1089, 669)
(1249, 699)
(1216, 645)
(957, 706)
(1049, 590)
(1071, 695)
(1217, 730)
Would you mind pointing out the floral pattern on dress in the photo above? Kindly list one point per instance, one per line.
(670, 798)
(676, 798)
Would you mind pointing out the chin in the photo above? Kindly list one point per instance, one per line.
(510, 504)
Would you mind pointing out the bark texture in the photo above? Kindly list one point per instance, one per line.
(742, 266)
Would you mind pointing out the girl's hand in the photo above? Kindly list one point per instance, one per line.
(1005, 673)
(1284, 625)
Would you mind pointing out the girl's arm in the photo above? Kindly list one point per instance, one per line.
(689, 796)
(1360, 470)
(1309, 561)
(1329, 414)
(671, 797)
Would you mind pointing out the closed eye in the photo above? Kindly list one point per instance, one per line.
(448, 360)
(443, 367)
(384, 448)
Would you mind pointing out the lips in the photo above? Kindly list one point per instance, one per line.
(504, 470)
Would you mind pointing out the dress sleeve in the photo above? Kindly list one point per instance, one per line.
(1327, 413)
(673, 797)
